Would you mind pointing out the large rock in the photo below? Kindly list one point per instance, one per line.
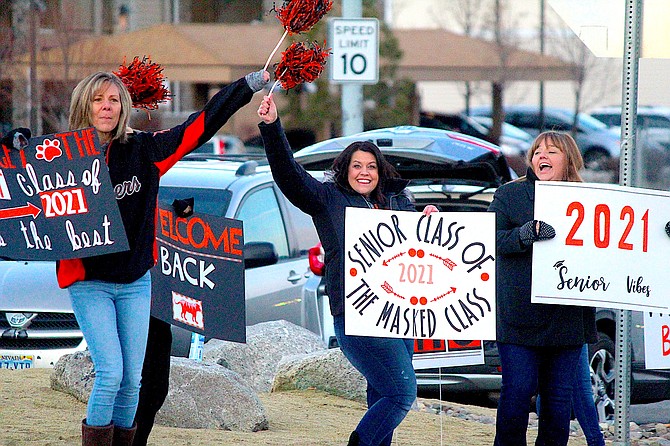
(327, 370)
(210, 396)
(267, 343)
(73, 374)
(200, 395)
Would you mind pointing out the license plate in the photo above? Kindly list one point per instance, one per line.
(16, 362)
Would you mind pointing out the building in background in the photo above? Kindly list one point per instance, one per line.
(523, 25)
(57, 23)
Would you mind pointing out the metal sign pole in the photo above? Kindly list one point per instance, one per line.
(628, 167)
(352, 93)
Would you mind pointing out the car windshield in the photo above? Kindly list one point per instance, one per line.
(207, 201)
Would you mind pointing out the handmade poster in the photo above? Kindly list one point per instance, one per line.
(198, 282)
(57, 201)
(412, 276)
(608, 250)
(657, 340)
(435, 353)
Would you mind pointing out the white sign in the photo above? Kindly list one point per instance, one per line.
(600, 24)
(355, 50)
(656, 341)
(412, 276)
(609, 248)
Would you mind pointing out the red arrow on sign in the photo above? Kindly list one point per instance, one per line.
(20, 211)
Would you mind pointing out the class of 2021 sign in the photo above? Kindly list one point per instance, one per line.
(57, 200)
(408, 275)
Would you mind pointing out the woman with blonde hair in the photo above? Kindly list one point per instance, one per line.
(111, 293)
(539, 344)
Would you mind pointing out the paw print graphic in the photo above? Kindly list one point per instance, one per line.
(48, 150)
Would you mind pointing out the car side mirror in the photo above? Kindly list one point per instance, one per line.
(259, 254)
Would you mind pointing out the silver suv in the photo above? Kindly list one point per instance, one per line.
(37, 324)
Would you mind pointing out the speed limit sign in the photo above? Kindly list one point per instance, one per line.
(355, 50)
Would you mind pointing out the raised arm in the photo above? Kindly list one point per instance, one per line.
(168, 146)
(303, 190)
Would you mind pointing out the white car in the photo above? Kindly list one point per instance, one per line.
(37, 325)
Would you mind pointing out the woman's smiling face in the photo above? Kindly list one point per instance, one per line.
(549, 163)
(363, 173)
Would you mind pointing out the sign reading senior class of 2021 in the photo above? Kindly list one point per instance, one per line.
(408, 275)
(609, 246)
(57, 201)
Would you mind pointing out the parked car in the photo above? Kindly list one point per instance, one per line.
(648, 116)
(595, 140)
(513, 146)
(37, 324)
(405, 148)
(653, 124)
(228, 145)
(652, 143)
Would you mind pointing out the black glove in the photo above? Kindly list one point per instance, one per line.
(667, 228)
(529, 232)
(16, 139)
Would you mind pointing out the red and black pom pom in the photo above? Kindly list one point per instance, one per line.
(145, 82)
(299, 16)
(301, 62)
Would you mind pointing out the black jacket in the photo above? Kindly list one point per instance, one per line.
(518, 320)
(135, 168)
(325, 203)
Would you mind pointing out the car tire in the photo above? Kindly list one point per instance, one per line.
(603, 374)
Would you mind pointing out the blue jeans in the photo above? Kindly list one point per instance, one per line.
(524, 371)
(386, 364)
(114, 318)
(582, 401)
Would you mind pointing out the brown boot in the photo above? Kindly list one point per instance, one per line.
(123, 436)
(96, 435)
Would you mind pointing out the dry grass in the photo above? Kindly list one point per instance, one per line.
(33, 414)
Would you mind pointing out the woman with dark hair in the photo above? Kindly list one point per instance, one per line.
(111, 293)
(360, 177)
(539, 344)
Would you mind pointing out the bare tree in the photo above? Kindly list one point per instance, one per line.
(503, 26)
(56, 91)
(493, 20)
(468, 15)
(592, 75)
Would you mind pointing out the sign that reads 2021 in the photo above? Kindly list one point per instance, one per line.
(57, 200)
(413, 276)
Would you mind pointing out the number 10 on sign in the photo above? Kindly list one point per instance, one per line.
(355, 50)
